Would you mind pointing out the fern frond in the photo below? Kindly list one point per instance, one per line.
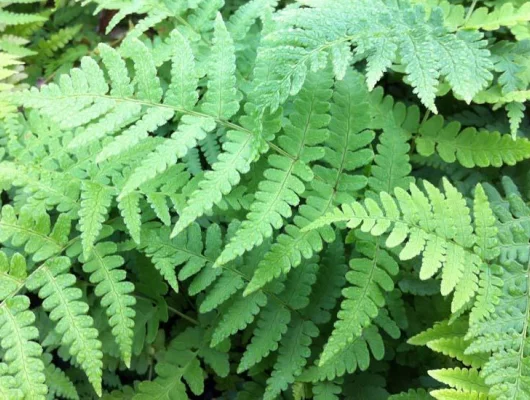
(380, 30)
(221, 100)
(191, 130)
(103, 266)
(449, 339)
(34, 232)
(444, 242)
(58, 382)
(240, 149)
(22, 352)
(346, 152)
(245, 16)
(293, 353)
(505, 15)
(186, 250)
(284, 179)
(463, 379)
(63, 302)
(271, 327)
(369, 277)
(355, 356)
(470, 147)
(13, 274)
(95, 204)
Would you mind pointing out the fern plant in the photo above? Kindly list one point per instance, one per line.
(264, 200)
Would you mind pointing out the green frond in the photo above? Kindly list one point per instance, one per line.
(326, 391)
(336, 178)
(445, 242)
(470, 147)
(181, 367)
(8, 387)
(461, 379)
(292, 356)
(221, 100)
(11, 18)
(271, 327)
(512, 214)
(58, 382)
(412, 394)
(449, 339)
(63, 302)
(505, 15)
(284, 179)
(188, 250)
(129, 207)
(103, 266)
(34, 232)
(13, 274)
(391, 166)
(95, 204)
(451, 394)
(239, 314)
(190, 132)
(239, 151)
(369, 278)
(380, 31)
(355, 356)
(22, 352)
(330, 280)
(246, 15)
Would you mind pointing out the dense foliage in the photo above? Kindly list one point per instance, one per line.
(264, 199)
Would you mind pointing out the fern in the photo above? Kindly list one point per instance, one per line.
(469, 147)
(369, 278)
(22, 353)
(284, 180)
(394, 26)
(64, 304)
(212, 198)
(444, 243)
(346, 152)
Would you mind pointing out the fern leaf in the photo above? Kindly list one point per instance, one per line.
(271, 326)
(444, 242)
(461, 378)
(12, 274)
(284, 180)
(240, 150)
(191, 130)
(346, 152)
(33, 232)
(355, 356)
(103, 265)
(182, 91)
(95, 203)
(470, 147)
(186, 250)
(244, 17)
(22, 352)
(65, 306)
(326, 391)
(8, 387)
(57, 381)
(297, 45)
(222, 98)
(293, 354)
(370, 278)
(241, 313)
(130, 211)
(504, 15)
